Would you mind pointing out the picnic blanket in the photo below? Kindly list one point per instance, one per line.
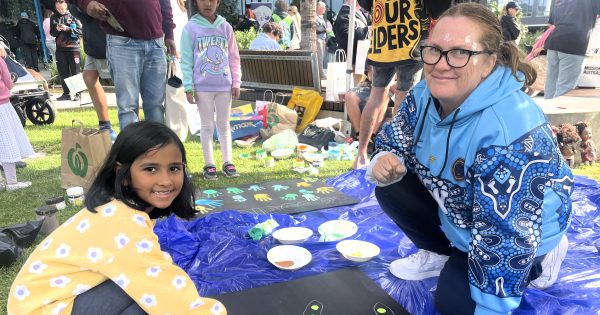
(220, 257)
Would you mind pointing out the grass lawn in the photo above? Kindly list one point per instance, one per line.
(44, 172)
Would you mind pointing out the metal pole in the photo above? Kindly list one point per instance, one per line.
(350, 49)
(40, 22)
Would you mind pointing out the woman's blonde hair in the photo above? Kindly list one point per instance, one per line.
(491, 37)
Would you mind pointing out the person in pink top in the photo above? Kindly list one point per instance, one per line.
(212, 75)
(14, 144)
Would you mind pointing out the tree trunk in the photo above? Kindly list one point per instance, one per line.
(308, 12)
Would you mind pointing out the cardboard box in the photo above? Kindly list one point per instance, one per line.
(244, 125)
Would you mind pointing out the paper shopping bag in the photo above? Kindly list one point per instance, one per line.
(176, 104)
(280, 118)
(336, 76)
(362, 50)
(83, 151)
(307, 104)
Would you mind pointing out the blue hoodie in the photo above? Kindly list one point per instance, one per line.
(501, 184)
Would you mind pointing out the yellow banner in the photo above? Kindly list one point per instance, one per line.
(396, 30)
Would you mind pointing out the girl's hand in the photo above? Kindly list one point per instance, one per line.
(235, 93)
(388, 168)
(190, 97)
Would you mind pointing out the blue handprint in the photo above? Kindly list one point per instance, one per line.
(304, 191)
(210, 193)
(209, 203)
(239, 198)
(279, 187)
(256, 188)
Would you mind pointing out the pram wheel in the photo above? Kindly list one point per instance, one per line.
(21, 114)
(41, 112)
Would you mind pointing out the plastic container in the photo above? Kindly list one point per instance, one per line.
(261, 154)
(269, 161)
(48, 214)
(298, 163)
(56, 202)
(75, 195)
(301, 150)
(334, 154)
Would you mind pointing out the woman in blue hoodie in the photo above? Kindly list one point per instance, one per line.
(470, 152)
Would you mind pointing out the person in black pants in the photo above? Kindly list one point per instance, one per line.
(28, 34)
(66, 29)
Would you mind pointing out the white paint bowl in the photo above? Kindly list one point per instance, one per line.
(336, 230)
(356, 250)
(281, 154)
(289, 257)
(292, 235)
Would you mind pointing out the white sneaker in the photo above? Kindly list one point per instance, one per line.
(18, 185)
(418, 266)
(551, 265)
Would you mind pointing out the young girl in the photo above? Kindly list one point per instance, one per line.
(106, 259)
(210, 63)
(14, 145)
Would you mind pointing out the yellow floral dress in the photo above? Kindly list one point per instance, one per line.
(116, 243)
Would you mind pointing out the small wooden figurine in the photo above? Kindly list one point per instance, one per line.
(587, 146)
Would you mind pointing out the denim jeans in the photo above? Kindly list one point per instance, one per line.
(138, 67)
(562, 73)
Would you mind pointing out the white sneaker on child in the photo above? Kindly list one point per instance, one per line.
(418, 266)
(18, 185)
(551, 265)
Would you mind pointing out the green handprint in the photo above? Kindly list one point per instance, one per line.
(239, 198)
(304, 191)
(234, 190)
(289, 197)
(309, 179)
(310, 197)
(279, 187)
(255, 188)
(210, 193)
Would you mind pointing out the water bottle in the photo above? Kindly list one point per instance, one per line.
(73, 27)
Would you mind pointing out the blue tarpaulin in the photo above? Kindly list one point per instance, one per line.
(220, 257)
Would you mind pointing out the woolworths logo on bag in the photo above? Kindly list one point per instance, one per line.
(78, 161)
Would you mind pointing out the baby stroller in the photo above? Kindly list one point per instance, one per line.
(28, 95)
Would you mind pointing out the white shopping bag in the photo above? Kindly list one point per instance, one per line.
(362, 50)
(336, 76)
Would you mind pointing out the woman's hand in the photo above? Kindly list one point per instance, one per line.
(190, 97)
(388, 169)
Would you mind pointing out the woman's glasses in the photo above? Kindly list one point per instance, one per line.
(456, 58)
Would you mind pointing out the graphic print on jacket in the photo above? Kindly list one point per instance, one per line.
(213, 55)
(494, 169)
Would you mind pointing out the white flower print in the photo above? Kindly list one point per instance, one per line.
(121, 239)
(153, 271)
(46, 243)
(37, 267)
(81, 288)
(148, 300)
(167, 257)
(110, 260)
(21, 292)
(59, 308)
(83, 226)
(144, 246)
(217, 309)
(139, 219)
(63, 250)
(122, 281)
(94, 254)
(59, 282)
(109, 211)
(179, 282)
(196, 303)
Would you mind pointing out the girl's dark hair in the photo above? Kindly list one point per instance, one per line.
(134, 141)
(272, 27)
(491, 37)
